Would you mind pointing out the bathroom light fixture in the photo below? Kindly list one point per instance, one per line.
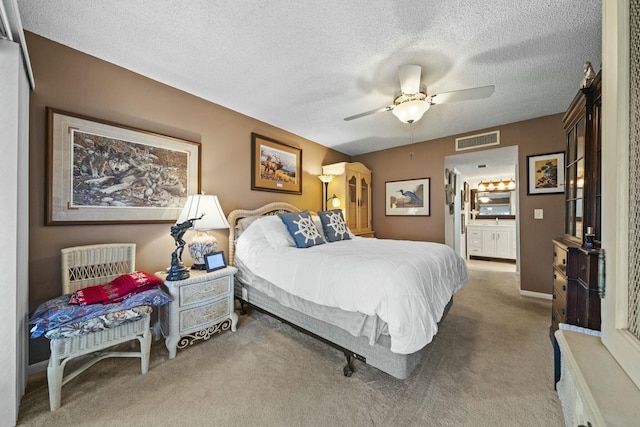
(497, 185)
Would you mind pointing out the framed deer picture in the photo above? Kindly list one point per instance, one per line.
(275, 166)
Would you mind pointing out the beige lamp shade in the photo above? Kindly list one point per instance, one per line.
(208, 215)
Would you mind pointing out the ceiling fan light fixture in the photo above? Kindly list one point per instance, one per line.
(411, 111)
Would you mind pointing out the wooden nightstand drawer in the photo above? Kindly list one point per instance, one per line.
(196, 318)
(191, 294)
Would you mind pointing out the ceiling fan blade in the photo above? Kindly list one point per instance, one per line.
(368, 113)
(409, 78)
(463, 94)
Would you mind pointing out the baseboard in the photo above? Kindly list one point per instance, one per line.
(37, 367)
(531, 294)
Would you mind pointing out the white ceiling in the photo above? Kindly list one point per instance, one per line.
(304, 66)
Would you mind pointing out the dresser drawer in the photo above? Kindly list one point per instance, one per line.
(191, 294)
(557, 317)
(560, 304)
(196, 318)
(559, 285)
(560, 256)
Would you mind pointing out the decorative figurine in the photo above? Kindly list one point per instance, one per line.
(178, 271)
(589, 75)
(588, 238)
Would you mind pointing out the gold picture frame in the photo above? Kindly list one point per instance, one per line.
(275, 166)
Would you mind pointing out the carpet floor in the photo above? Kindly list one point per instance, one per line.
(491, 364)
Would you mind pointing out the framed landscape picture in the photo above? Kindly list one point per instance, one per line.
(275, 166)
(408, 198)
(545, 173)
(104, 173)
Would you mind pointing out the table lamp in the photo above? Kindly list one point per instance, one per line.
(210, 216)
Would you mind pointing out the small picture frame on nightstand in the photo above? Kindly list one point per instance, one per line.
(215, 261)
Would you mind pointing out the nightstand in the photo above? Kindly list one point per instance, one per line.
(202, 306)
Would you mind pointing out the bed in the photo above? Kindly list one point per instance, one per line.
(358, 295)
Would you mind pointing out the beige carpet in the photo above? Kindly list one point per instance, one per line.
(490, 365)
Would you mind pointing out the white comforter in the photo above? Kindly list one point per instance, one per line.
(407, 284)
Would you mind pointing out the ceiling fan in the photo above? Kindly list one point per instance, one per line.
(413, 101)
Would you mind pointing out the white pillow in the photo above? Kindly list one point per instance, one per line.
(276, 232)
(244, 223)
(318, 224)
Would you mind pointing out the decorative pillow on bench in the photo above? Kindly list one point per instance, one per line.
(302, 229)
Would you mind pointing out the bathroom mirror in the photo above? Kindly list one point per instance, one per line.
(493, 204)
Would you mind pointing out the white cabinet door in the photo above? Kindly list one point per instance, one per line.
(489, 243)
(503, 246)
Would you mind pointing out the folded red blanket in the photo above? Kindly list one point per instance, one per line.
(117, 290)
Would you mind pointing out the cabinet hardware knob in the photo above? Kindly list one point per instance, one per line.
(564, 261)
(563, 311)
(564, 287)
(554, 275)
(554, 254)
(554, 296)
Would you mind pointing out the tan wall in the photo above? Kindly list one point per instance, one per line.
(536, 136)
(72, 81)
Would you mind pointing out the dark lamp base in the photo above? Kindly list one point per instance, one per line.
(199, 267)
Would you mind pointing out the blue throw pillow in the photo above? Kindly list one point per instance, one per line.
(333, 225)
(302, 229)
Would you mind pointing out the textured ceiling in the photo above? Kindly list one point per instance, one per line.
(304, 66)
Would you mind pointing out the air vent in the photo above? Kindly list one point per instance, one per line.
(477, 141)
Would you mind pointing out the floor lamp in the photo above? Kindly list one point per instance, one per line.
(326, 179)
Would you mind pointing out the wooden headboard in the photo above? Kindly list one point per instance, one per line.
(235, 216)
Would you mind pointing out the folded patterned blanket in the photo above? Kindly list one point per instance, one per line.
(117, 290)
(57, 312)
